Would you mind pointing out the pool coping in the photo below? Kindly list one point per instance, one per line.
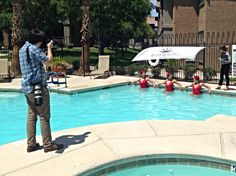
(81, 90)
(101, 144)
(159, 159)
(72, 91)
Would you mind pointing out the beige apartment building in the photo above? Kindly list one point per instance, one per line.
(198, 22)
(201, 17)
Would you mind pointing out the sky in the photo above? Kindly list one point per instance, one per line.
(153, 12)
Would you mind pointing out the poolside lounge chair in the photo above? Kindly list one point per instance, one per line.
(4, 69)
(103, 67)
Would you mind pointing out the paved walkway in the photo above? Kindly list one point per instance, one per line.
(91, 146)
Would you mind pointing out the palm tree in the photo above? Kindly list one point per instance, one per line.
(5, 26)
(84, 62)
(17, 35)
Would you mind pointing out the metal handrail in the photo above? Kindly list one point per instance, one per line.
(57, 81)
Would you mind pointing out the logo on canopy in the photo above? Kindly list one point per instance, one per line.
(165, 53)
(167, 50)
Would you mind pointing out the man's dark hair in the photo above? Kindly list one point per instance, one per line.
(36, 36)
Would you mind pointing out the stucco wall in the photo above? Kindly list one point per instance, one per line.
(185, 16)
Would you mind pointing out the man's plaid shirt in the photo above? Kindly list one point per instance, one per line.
(32, 71)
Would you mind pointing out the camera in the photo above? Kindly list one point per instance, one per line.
(38, 99)
(44, 44)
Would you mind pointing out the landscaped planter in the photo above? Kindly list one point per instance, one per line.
(58, 69)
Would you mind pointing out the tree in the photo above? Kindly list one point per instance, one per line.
(117, 21)
(40, 14)
(68, 9)
(5, 26)
(144, 31)
(101, 23)
(84, 62)
(17, 35)
(5, 20)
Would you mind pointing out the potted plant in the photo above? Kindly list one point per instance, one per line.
(59, 65)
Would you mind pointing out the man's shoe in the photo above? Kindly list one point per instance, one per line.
(53, 147)
(33, 148)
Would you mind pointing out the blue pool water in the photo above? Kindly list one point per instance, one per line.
(173, 170)
(123, 103)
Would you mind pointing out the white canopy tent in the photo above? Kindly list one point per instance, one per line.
(173, 52)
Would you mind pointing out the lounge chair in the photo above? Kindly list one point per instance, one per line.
(4, 69)
(103, 67)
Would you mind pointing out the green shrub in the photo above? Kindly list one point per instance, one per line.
(121, 71)
(232, 79)
(189, 70)
(171, 66)
(209, 73)
(156, 72)
(75, 65)
(131, 69)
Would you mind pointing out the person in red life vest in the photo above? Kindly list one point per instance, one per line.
(197, 86)
(144, 80)
(169, 83)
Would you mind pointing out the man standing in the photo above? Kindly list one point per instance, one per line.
(225, 66)
(34, 87)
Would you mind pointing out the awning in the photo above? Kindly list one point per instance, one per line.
(173, 52)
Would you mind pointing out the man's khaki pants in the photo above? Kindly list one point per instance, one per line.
(44, 113)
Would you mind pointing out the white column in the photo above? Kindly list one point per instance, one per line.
(66, 30)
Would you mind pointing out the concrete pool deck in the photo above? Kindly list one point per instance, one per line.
(91, 146)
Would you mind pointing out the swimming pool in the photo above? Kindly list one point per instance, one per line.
(123, 103)
(165, 165)
(173, 170)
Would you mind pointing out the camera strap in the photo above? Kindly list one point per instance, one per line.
(28, 55)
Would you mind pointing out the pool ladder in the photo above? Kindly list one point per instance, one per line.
(57, 75)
